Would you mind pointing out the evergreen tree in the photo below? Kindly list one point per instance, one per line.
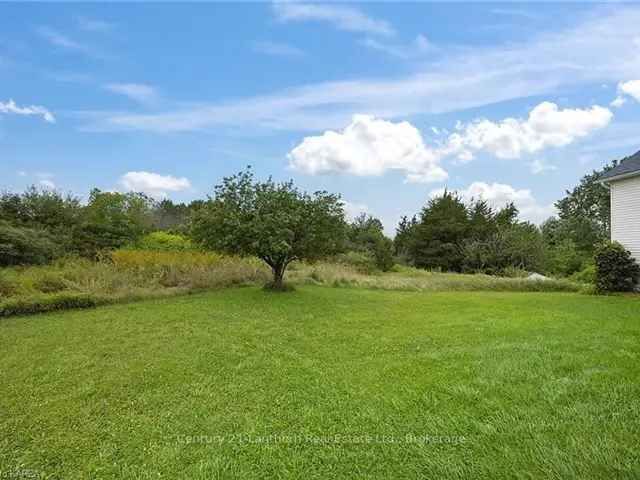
(507, 216)
(482, 222)
(404, 236)
(444, 224)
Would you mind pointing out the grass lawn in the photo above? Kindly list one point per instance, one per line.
(325, 383)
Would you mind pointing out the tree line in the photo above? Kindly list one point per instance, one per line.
(280, 224)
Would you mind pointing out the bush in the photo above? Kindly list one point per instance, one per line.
(163, 241)
(383, 254)
(586, 275)
(565, 259)
(25, 246)
(616, 270)
(517, 247)
(362, 261)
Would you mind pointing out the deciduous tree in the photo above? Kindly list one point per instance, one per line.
(276, 222)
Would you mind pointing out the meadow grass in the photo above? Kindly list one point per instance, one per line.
(414, 279)
(325, 383)
(127, 275)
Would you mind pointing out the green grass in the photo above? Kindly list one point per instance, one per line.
(325, 383)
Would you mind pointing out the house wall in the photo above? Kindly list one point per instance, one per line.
(625, 214)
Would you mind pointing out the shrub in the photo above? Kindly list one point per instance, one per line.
(586, 275)
(616, 270)
(163, 241)
(25, 246)
(564, 258)
(383, 254)
(517, 246)
(362, 261)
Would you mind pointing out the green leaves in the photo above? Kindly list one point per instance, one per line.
(273, 221)
(616, 269)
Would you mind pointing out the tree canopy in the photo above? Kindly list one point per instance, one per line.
(366, 234)
(276, 222)
(585, 211)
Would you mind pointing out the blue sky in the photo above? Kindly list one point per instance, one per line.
(386, 103)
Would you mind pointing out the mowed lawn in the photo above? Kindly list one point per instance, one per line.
(325, 383)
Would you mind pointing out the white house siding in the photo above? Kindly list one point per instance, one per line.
(625, 214)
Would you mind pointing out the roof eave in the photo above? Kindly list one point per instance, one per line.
(622, 176)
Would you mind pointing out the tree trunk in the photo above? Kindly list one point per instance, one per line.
(278, 276)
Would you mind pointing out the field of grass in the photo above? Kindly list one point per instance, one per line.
(127, 275)
(325, 383)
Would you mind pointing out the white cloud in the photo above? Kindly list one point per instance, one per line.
(516, 12)
(65, 42)
(60, 40)
(340, 16)
(153, 184)
(618, 101)
(415, 49)
(353, 210)
(540, 166)
(547, 126)
(10, 107)
(48, 184)
(277, 49)
(141, 93)
(631, 89)
(497, 195)
(598, 49)
(22, 173)
(93, 24)
(369, 146)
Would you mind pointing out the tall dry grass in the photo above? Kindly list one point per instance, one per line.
(134, 274)
(131, 274)
(413, 279)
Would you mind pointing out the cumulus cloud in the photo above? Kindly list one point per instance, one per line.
(10, 107)
(547, 126)
(141, 93)
(341, 17)
(618, 101)
(153, 184)
(627, 89)
(353, 210)
(369, 146)
(497, 195)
